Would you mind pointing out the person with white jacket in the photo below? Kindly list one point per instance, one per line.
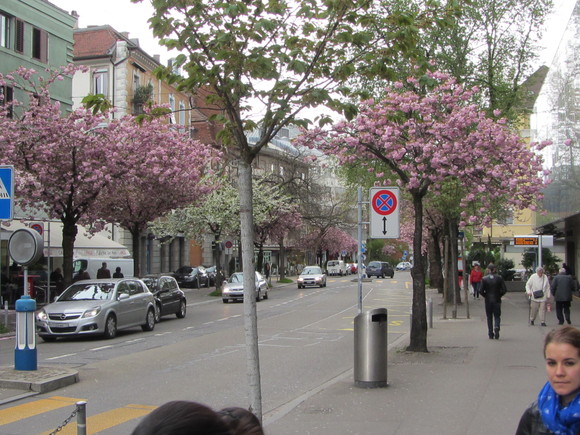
(538, 291)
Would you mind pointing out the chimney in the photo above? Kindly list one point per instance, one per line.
(75, 15)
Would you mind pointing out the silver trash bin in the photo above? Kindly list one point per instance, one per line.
(370, 349)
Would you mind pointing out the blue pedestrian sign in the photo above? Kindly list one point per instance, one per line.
(6, 193)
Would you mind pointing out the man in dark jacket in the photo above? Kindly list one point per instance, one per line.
(562, 287)
(492, 289)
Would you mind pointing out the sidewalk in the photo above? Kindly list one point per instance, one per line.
(466, 384)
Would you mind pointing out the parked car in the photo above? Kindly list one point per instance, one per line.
(380, 269)
(233, 289)
(93, 307)
(169, 298)
(194, 277)
(311, 275)
(404, 265)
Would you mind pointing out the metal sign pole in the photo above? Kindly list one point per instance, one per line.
(359, 267)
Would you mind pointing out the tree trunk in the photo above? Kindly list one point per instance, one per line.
(282, 262)
(69, 234)
(250, 315)
(219, 275)
(435, 260)
(418, 342)
(136, 242)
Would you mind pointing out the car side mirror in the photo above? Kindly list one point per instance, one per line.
(123, 296)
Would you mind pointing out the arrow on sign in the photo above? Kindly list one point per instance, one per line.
(384, 225)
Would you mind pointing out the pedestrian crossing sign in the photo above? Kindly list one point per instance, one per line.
(6, 193)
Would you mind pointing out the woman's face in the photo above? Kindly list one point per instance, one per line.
(563, 368)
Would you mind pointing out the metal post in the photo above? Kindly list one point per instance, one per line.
(446, 277)
(82, 418)
(359, 268)
(430, 311)
(465, 281)
(540, 250)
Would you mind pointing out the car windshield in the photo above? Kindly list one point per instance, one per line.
(88, 292)
(311, 271)
(236, 278)
(333, 263)
(184, 270)
(374, 264)
(150, 282)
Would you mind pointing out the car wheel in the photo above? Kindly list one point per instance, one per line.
(392, 275)
(157, 313)
(149, 320)
(48, 338)
(225, 301)
(110, 327)
(266, 295)
(258, 296)
(321, 285)
(182, 310)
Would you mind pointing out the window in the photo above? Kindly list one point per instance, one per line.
(39, 44)
(181, 113)
(6, 96)
(172, 107)
(5, 30)
(19, 40)
(100, 82)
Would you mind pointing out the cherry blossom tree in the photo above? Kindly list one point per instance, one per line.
(166, 172)
(62, 163)
(330, 239)
(427, 139)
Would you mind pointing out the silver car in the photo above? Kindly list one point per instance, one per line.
(233, 289)
(311, 275)
(100, 306)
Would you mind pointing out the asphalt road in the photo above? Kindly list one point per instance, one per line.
(306, 341)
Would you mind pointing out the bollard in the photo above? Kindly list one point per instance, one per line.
(82, 418)
(430, 312)
(25, 357)
(6, 314)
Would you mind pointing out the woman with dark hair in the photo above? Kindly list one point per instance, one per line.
(182, 417)
(557, 409)
(241, 421)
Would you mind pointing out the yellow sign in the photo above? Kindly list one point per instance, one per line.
(526, 241)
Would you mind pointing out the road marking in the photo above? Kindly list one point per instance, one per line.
(19, 412)
(108, 419)
(62, 356)
(95, 349)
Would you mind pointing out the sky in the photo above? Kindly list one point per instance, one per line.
(123, 16)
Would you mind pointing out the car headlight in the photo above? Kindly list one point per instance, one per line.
(91, 313)
(41, 315)
(318, 279)
(300, 279)
(226, 290)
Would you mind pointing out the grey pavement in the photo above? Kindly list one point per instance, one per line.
(465, 384)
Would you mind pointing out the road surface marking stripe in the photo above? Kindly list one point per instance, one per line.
(108, 419)
(19, 412)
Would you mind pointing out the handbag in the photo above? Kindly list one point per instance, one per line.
(538, 294)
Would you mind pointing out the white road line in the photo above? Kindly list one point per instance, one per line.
(62, 356)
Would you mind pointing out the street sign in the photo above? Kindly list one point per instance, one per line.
(6, 193)
(526, 241)
(384, 213)
(38, 226)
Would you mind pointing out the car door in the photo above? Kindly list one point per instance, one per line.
(123, 306)
(139, 301)
(168, 295)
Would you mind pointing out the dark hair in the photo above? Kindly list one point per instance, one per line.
(241, 421)
(491, 267)
(182, 417)
(565, 334)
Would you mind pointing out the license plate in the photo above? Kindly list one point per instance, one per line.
(58, 325)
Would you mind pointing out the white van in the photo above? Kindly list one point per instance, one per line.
(91, 265)
(336, 267)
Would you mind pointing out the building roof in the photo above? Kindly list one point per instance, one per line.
(533, 85)
(94, 42)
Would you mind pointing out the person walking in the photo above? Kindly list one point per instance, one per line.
(103, 272)
(557, 408)
(475, 277)
(492, 289)
(563, 287)
(538, 292)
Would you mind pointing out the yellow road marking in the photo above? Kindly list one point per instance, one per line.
(19, 412)
(108, 419)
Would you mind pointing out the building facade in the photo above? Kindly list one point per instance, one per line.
(36, 34)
